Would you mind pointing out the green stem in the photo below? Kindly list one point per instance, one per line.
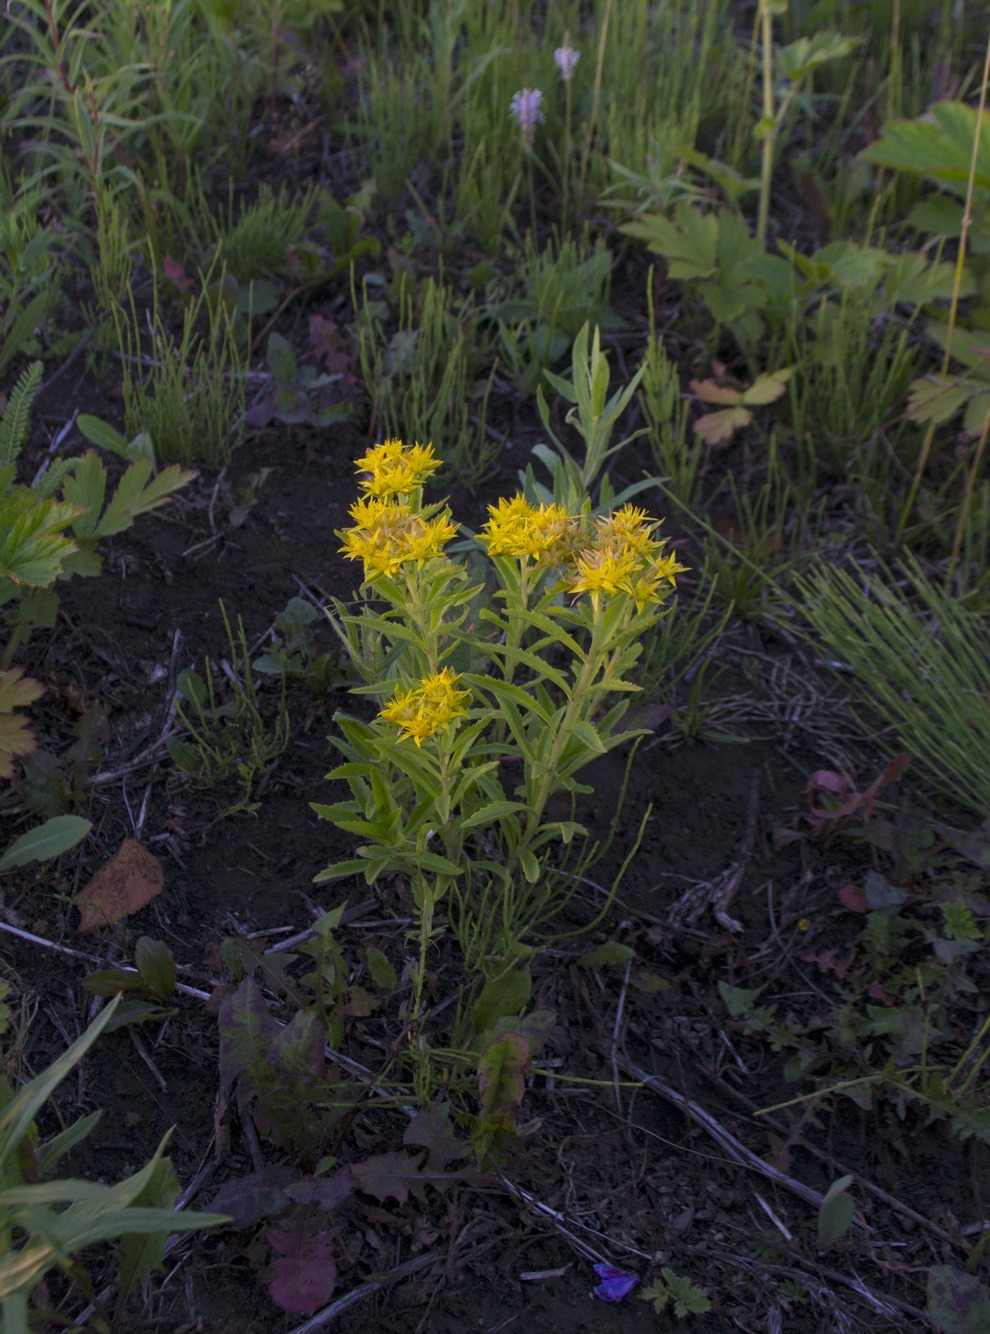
(770, 126)
(576, 705)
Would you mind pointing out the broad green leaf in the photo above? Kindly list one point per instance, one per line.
(85, 486)
(32, 547)
(382, 972)
(502, 996)
(156, 967)
(835, 1213)
(99, 432)
(938, 145)
(48, 840)
(689, 244)
(799, 58)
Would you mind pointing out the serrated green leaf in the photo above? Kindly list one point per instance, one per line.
(938, 145)
(382, 972)
(32, 546)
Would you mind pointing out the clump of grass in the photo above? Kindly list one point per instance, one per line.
(919, 658)
(188, 394)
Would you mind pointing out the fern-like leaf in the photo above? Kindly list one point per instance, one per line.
(17, 414)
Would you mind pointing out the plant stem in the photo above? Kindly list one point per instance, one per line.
(926, 445)
(596, 96)
(575, 704)
(769, 124)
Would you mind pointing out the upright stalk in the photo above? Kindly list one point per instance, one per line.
(589, 133)
(926, 445)
(768, 124)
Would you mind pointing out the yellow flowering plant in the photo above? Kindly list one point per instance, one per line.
(491, 696)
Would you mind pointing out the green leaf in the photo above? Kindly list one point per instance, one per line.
(689, 244)
(32, 548)
(85, 486)
(48, 840)
(382, 973)
(136, 494)
(835, 1213)
(611, 954)
(156, 967)
(18, 1115)
(767, 387)
(491, 813)
(738, 1000)
(938, 145)
(502, 996)
(799, 58)
(99, 432)
(137, 1256)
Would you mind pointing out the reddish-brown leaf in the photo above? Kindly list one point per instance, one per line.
(129, 880)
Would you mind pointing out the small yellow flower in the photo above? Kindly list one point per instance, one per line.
(603, 571)
(397, 469)
(387, 534)
(428, 707)
(620, 554)
(517, 528)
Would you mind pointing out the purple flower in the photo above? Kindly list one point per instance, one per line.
(615, 1283)
(525, 106)
(566, 58)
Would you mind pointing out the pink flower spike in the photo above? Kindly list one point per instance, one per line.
(566, 59)
(525, 106)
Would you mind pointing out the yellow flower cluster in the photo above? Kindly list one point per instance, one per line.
(397, 469)
(387, 531)
(517, 528)
(428, 707)
(622, 555)
(617, 553)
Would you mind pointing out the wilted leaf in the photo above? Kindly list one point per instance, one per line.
(501, 1068)
(710, 392)
(251, 1198)
(431, 1130)
(718, 428)
(325, 1193)
(305, 1274)
(767, 387)
(125, 884)
(16, 737)
(958, 1303)
(387, 1176)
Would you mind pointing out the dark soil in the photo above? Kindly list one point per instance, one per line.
(608, 1169)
